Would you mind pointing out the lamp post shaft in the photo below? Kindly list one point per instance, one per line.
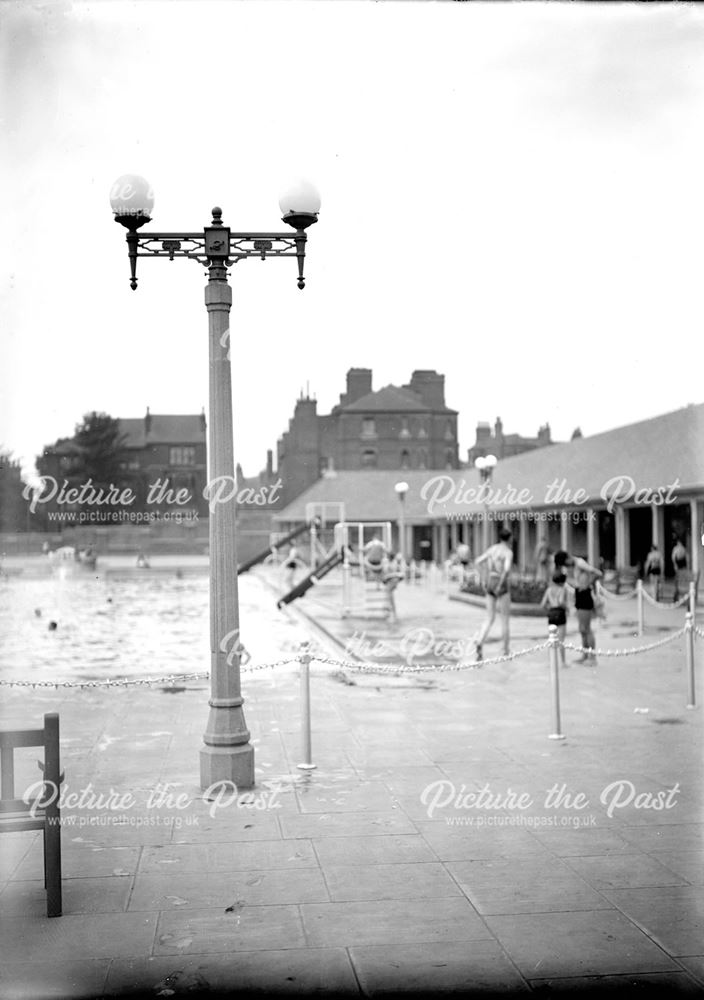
(402, 529)
(227, 754)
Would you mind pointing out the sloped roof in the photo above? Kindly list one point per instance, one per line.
(165, 428)
(651, 454)
(390, 398)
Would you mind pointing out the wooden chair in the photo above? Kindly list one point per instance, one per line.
(16, 814)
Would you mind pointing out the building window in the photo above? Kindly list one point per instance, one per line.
(368, 427)
(405, 459)
(182, 456)
(369, 458)
(422, 429)
(422, 458)
(404, 432)
(449, 434)
(449, 458)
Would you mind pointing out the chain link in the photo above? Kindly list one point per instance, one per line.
(660, 604)
(624, 652)
(618, 597)
(401, 668)
(393, 669)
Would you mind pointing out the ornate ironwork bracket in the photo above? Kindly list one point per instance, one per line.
(216, 245)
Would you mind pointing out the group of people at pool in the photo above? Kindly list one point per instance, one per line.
(571, 584)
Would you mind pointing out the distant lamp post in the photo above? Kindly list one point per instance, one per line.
(486, 466)
(401, 491)
(227, 754)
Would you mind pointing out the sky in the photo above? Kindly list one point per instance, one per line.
(511, 195)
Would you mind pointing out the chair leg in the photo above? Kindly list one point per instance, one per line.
(52, 867)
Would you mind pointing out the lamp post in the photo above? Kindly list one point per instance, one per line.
(227, 754)
(486, 465)
(401, 490)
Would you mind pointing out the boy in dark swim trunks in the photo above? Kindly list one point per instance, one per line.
(556, 600)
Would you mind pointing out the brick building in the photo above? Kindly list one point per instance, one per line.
(169, 449)
(396, 427)
(496, 442)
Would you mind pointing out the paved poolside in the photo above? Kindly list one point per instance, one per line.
(578, 864)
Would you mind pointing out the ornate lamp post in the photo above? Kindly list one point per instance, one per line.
(227, 754)
(486, 466)
(402, 490)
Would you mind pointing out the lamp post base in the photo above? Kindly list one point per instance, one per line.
(234, 764)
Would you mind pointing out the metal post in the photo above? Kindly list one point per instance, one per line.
(402, 526)
(305, 659)
(555, 681)
(227, 755)
(689, 645)
(313, 546)
(641, 610)
(692, 599)
(346, 602)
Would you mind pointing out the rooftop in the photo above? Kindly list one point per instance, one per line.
(165, 428)
(651, 454)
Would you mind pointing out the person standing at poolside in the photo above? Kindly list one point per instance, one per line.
(584, 578)
(556, 602)
(497, 562)
(679, 564)
(653, 571)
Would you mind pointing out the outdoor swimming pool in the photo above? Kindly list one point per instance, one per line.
(131, 625)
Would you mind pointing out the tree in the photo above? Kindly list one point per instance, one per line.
(576, 433)
(95, 453)
(100, 450)
(13, 506)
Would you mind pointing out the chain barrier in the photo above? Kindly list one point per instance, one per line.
(624, 652)
(618, 597)
(125, 682)
(660, 604)
(359, 667)
(400, 668)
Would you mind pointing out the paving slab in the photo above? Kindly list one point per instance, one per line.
(597, 942)
(672, 915)
(227, 857)
(79, 895)
(95, 935)
(392, 921)
(346, 824)
(223, 889)
(242, 928)
(381, 850)
(469, 967)
(394, 881)
(656, 984)
(624, 871)
(532, 884)
(58, 979)
(294, 971)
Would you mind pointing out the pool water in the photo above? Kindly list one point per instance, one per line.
(136, 625)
